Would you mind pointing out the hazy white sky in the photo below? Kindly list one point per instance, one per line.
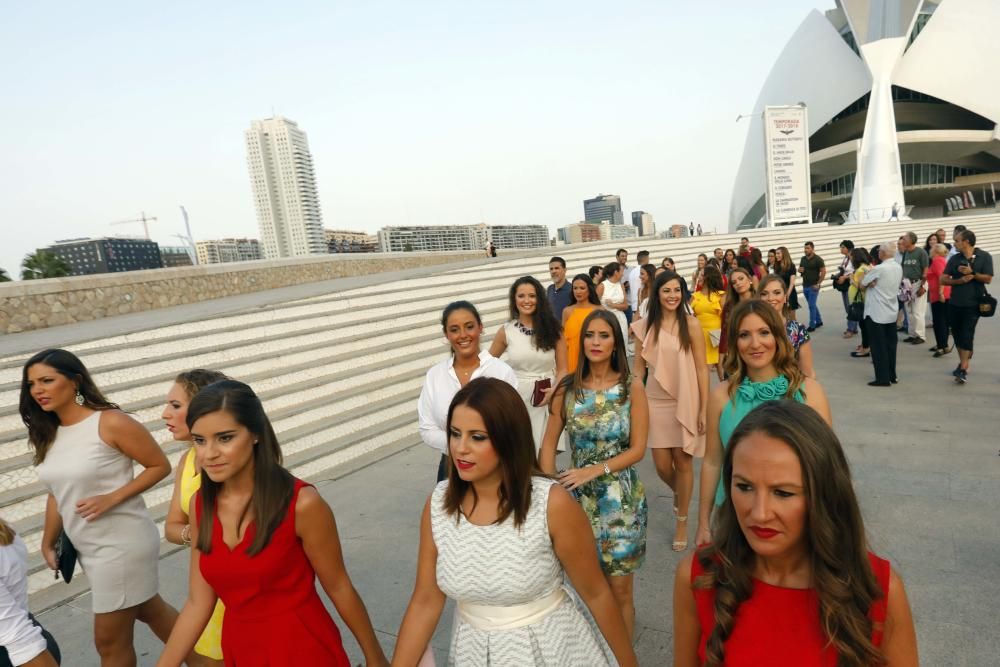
(417, 113)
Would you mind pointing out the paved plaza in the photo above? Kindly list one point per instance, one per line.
(925, 459)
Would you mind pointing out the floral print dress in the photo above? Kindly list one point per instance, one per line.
(598, 424)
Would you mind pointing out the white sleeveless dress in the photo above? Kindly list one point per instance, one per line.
(119, 551)
(531, 364)
(615, 293)
(502, 566)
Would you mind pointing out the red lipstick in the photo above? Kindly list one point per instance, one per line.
(463, 465)
(763, 533)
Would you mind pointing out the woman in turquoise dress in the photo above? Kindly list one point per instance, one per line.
(762, 367)
(606, 417)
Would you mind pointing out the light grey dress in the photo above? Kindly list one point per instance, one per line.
(119, 551)
(500, 565)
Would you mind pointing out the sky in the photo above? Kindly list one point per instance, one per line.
(437, 112)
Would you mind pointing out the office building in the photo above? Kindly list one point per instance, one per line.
(606, 208)
(284, 189)
(88, 256)
(461, 237)
(341, 240)
(583, 232)
(175, 255)
(899, 92)
(643, 222)
(222, 251)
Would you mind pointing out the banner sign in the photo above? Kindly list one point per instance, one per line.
(786, 147)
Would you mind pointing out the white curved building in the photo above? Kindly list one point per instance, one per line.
(903, 106)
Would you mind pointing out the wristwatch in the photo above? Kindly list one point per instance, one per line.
(607, 470)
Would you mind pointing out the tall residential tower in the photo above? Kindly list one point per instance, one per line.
(284, 189)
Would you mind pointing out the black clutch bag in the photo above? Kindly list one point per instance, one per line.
(65, 557)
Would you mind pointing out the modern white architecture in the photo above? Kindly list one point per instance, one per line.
(284, 189)
(903, 111)
(222, 251)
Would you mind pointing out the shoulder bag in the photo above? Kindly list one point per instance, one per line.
(65, 557)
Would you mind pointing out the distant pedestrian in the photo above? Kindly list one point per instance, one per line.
(954, 235)
(785, 268)
(842, 283)
(741, 288)
(691, 229)
(706, 305)
(596, 274)
(862, 262)
(939, 294)
(772, 291)
(462, 328)
(894, 215)
(882, 289)
(772, 262)
(647, 277)
(506, 543)
(632, 279)
(813, 271)
(668, 264)
(612, 294)
(915, 262)
(699, 229)
(967, 273)
(788, 578)
(698, 277)
(559, 292)
(757, 266)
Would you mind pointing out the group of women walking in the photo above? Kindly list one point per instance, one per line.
(539, 555)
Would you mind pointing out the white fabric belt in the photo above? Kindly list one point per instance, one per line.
(491, 619)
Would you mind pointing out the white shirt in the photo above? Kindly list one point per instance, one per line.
(440, 387)
(880, 301)
(634, 284)
(22, 638)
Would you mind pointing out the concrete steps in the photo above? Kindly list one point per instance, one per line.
(340, 373)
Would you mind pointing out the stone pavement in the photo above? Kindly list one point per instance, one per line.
(924, 456)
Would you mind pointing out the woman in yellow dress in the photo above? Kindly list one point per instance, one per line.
(187, 481)
(585, 300)
(706, 304)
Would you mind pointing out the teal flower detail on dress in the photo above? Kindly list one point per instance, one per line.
(771, 390)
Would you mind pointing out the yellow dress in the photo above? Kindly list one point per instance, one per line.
(708, 310)
(210, 642)
(571, 332)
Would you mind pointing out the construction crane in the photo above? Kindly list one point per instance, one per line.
(143, 219)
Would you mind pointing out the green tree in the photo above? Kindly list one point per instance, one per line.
(4, 276)
(43, 264)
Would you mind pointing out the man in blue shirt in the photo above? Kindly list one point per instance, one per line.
(560, 293)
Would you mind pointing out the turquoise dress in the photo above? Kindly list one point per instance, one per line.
(747, 397)
(598, 427)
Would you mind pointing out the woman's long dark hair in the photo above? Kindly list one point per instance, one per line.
(732, 297)
(509, 427)
(573, 382)
(775, 278)
(712, 278)
(42, 425)
(835, 538)
(785, 265)
(656, 310)
(650, 272)
(546, 331)
(591, 289)
(273, 486)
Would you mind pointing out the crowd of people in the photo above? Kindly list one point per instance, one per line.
(538, 552)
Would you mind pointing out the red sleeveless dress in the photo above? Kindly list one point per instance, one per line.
(780, 626)
(274, 616)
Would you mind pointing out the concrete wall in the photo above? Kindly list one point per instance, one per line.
(37, 304)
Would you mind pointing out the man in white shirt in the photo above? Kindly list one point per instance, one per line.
(881, 309)
(634, 280)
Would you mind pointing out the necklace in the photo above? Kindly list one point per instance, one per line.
(523, 329)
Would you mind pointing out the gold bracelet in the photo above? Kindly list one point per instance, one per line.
(186, 535)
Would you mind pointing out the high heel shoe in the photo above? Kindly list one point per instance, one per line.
(681, 545)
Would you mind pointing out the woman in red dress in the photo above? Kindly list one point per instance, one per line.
(263, 537)
(789, 579)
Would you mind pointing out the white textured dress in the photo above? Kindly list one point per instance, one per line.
(119, 551)
(615, 293)
(502, 566)
(531, 364)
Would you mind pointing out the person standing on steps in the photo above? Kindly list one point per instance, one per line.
(699, 229)
(669, 344)
(813, 271)
(691, 229)
(85, 451)
(559, 293)
(915, 263)
(967, 273)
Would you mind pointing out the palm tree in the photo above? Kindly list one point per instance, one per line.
(4, 276)
(43, 264)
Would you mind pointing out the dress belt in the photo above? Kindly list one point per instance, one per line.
(492, 619)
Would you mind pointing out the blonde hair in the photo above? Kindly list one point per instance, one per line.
(940, 249)
(6, 533)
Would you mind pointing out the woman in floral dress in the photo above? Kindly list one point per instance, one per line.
(606, 417)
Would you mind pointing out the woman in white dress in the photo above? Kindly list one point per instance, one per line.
(501, 539)
(612, 295)
(85, 450)
(535, 348)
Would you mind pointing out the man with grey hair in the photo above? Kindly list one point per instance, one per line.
(882, 283)
(915, 263)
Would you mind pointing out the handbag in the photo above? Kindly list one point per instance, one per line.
(65, 557)
(715, 335)
(538, 393)
(856, 311)
(841, 286)
(987, 304)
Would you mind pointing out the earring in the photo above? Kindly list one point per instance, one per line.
(79, 398)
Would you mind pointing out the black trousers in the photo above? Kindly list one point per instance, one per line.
(865, 342)
(939, 313)
(883, 341)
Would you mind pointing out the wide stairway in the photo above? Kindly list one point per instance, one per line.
(339, 374)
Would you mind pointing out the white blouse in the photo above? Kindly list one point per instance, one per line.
(22, 638)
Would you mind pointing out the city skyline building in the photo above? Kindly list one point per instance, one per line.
(89, 256)
(283, 181)
(342, 240)
(643, 222)
(899, 115)
(224, 251)
(422, 238)
(584, 232)
(175, 255)
(604, 208)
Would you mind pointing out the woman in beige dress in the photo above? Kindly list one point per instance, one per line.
(670, 345)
